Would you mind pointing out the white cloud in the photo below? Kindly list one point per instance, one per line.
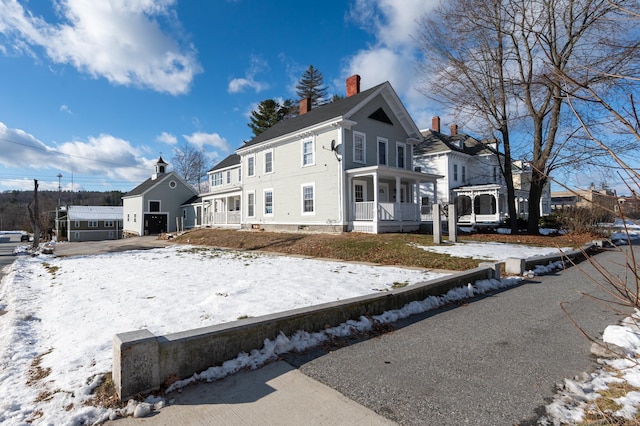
(167, 138)
(394, 54)
(201, 140)
(104, 156)
(65, 108)
(119, 40)
(256, 65)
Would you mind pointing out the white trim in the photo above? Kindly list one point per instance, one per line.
(364, 147)
(251, 158)
(249, 193)
(313, 151)
(385, 141)
(264, 202)
(269, 151)
(312, 185)
(362, 183)
(404, 155)
(149, 206)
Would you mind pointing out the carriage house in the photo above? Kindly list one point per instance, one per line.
(154, 206)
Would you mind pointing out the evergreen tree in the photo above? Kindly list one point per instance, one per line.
(311, 85)
(269, 112)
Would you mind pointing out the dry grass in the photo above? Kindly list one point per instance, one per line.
(105, 395)
(385, 249)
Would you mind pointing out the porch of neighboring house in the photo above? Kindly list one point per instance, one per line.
(384, 199)
(486, 205)
(222, 211)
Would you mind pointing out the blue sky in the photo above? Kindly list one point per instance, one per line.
(96, 91)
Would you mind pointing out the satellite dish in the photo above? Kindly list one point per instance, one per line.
(333, 145)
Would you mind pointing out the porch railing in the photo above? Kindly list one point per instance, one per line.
(386, 211)
(221, 218)
(363, 210)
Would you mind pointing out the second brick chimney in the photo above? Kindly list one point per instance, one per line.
(305, 105)
(353, 85)
(454, 129)
(435, 124)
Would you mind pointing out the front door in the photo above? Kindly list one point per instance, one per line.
(383, 192)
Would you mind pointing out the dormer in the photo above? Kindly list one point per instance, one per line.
(160, 168)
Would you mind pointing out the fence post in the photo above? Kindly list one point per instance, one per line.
(437, 224)
(453, 226)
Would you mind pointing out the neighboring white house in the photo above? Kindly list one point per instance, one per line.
(472, 178)
(90, 223)
(154, 206)
(344, 166)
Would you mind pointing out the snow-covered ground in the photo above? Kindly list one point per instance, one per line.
(498, 252)
(58, 315)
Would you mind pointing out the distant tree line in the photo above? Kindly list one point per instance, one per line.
(14, 214)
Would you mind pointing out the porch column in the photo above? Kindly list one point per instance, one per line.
(473, 207)
(375, 201)
(435, 192)
(349, 199)
(226, 210)
(398, 211)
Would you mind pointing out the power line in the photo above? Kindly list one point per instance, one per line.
(57, 153)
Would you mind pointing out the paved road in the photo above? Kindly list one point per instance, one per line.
(493, 361)
(6, 251)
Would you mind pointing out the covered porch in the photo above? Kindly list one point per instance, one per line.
(222, 210)
(385, 199)
(486, 205)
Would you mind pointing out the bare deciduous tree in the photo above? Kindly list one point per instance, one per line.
(192, 164)
(504, 62)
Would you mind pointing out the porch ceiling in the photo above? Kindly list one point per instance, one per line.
(392, 173)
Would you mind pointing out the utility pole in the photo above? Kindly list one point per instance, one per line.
(58, 209)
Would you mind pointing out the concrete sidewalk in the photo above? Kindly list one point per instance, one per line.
(276, 394)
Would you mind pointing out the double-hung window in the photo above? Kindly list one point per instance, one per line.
(268, 162)
(251, 166)
(216, 179)
(251, 204)
(455, 172)
(400, 154)
(308, 199)
(93, 224)
(464, 174)
(307, 153)
(228, 177)
(382, 151)
(359, 147)
(268, 202)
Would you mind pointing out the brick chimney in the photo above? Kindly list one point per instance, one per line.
(305, 105)
(353, 85)
(454, 129)
(435, 124)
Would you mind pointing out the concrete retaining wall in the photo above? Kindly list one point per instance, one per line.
(142, 362)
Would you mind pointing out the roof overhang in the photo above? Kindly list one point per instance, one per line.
(392, 173)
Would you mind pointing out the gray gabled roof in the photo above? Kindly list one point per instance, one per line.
(150, 183)
(435, 142)
(318, 115)
(231, 160)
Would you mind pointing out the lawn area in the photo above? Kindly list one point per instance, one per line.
(386, 249)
